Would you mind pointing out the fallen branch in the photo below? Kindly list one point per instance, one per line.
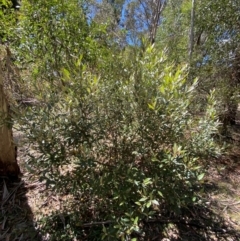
(97, 223)
(164, 221)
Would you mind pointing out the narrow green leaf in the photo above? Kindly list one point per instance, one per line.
(155, 202)
(200, 177)
(160, 194)
(151, 106)
(147, 181)
(66, 74)
(143, 199)
(149, 204)
(162, 89)
(135, 221)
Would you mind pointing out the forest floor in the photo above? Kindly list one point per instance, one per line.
(24, 202)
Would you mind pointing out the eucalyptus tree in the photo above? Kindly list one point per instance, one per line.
(8, 151)
(144, 17)
(173, 32)
(217, 52)
(208, 33)
(191, 34)
(128, 20)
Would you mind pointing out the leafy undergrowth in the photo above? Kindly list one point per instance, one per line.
(26, 202)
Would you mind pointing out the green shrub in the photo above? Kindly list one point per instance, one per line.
(125, 148)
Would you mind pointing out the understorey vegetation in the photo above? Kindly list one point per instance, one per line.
(114, 133)
(122, 131)
(124, 150)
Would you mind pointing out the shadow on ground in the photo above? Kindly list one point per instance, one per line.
(16, 219)
(16, 216)
(196, 224)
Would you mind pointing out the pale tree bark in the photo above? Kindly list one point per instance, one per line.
(8, 160)
(191, 32)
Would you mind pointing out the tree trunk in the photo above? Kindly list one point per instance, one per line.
(157, 11)
(8, 160)
(191, 34)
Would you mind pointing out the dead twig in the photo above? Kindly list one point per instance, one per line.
(10, 194)
(34, 185)
(2, 236)
(97, 223)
